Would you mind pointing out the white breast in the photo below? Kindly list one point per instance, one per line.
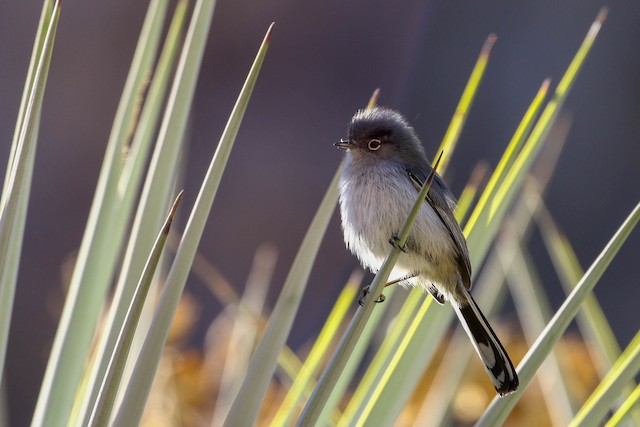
(375, 200)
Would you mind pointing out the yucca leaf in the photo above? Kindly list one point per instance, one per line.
(148, 217)
(115, 369)
(373, 100)
(591, 319)
(517, 172)
(327, 416)
(15, 197)
(247, 325)
(470, 192)
(624, 370)
(130, 412)
(626, 409)
(452, 135)
(534, 311)
(302, 386)
(99, 248)
(382, 358)
(244, 410)
(479, 215)
(489, 290)
(500, 408)
(36, 53)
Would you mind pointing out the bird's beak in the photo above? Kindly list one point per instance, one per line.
(343, 144)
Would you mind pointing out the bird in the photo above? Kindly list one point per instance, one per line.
(384, 169)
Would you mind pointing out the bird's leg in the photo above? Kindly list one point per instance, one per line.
(381, 298)
(402, 279)
(395, 242)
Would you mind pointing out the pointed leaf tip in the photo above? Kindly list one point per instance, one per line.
(602, 14)
(435, 168)
(488, 44)
(176, 203)
(478, 174)
(597, 24)
(172, 213)
(267, 37)
(374, 98)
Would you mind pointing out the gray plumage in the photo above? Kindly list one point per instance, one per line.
(384, 170)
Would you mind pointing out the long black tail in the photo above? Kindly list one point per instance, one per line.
(496, 360)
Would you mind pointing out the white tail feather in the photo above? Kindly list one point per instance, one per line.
(493, 355)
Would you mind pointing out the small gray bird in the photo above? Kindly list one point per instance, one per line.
(385, 168)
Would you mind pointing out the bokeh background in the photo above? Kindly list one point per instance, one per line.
(324, 61)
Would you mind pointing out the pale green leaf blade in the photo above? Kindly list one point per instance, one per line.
(500, 407)
(479, 215)
(351, 368)
(302, 382)
(113, 375)
(13, 210)
(623, 371)
(452, 135)
(365, 388)
(481, 238)
(626, 409)
(148, 217)
(247, 404)
(136, 394)
(247, 325)
(534, 311)
(592, 320)
(45, 19)
(470, 191)
(99, 248)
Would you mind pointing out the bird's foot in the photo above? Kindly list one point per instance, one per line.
(365, 292)
(395, 242)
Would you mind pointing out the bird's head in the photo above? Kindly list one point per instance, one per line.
(382, 133)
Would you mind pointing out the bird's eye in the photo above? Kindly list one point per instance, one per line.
(374, 144)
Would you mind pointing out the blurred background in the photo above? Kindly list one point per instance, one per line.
(324, 61)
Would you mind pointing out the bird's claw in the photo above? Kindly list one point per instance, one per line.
(395, 242)
(365, 292)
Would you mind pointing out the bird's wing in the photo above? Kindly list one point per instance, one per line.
(443, 203)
